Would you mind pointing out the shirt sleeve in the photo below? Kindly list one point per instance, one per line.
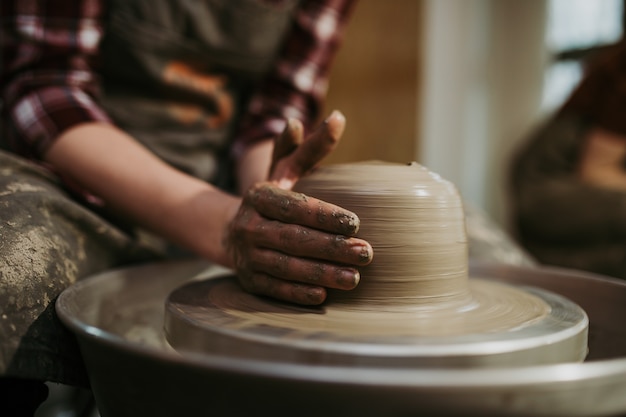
(47, 79)
(297, 84)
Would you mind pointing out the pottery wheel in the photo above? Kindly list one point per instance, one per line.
(415, 304)
(535, 327)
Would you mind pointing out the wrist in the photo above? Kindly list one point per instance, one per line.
(203, 223)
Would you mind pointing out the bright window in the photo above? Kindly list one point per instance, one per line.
(575, 29)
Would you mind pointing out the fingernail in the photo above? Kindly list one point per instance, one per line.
(348, 278)
(295, 128)
(335, 114)
(364, 253)
(335, 123)
(314, 296)
(348, 221)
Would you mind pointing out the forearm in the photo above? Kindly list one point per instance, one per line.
(254, 164)
(132, 181)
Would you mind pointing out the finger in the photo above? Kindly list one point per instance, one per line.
(263, 284)
(301, 241)
(307, 271)
(317, 146)
(287, 142)
(297, 208)
(306, 156)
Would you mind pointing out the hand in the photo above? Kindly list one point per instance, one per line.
(289, 246)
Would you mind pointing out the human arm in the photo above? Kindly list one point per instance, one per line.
(294, 91)
(52, 102)
(50, 90)
(278, 241)
(137, 185)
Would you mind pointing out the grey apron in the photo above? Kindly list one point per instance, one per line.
(177, 75)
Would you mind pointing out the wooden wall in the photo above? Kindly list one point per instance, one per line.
(375, 82)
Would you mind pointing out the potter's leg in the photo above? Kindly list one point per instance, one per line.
(47, 242)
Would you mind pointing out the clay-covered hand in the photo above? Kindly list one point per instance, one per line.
(290, 246)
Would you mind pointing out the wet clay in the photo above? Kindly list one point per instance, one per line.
(237, 310)
(415, 297)
(415, 222)
(413, 219)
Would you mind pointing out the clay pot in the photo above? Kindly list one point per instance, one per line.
(414, 221)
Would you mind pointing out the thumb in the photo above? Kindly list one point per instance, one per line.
(311, 152)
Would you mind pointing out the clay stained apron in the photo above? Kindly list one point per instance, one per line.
(177, 74)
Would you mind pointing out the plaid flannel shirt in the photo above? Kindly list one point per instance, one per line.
(49, 74)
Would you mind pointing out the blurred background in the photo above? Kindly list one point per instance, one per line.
(457, 84)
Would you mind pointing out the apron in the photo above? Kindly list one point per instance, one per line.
(177, 74)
